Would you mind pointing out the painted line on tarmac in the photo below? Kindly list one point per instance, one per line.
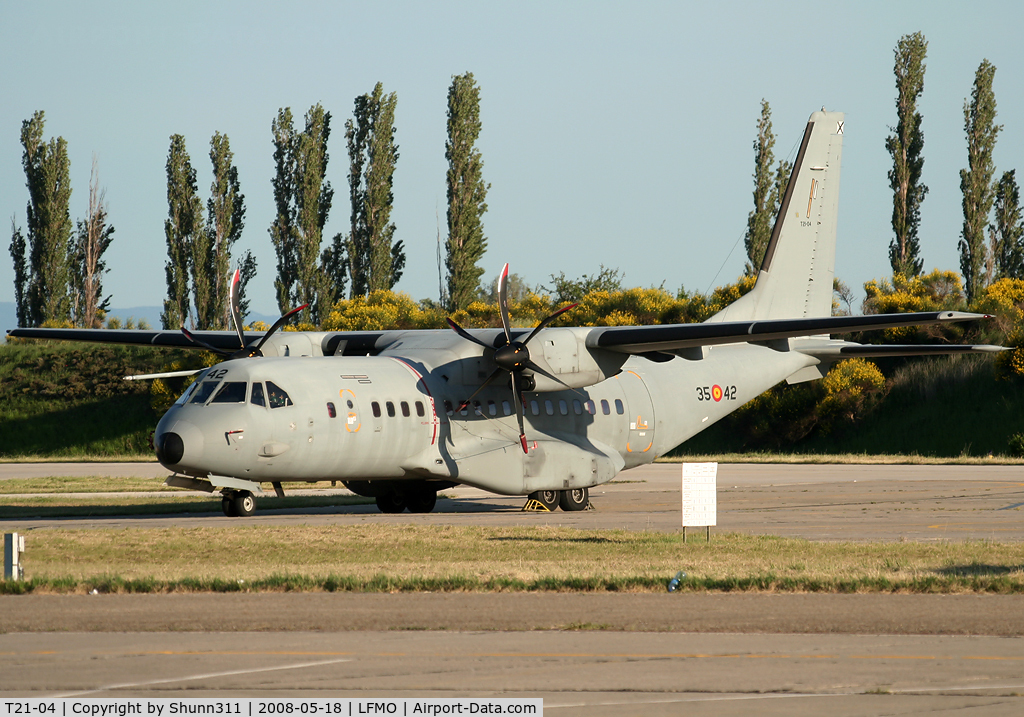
(207, 676)
(700, 698)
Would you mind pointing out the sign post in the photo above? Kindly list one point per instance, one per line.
(700, 496)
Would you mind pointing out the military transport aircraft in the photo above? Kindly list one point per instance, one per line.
(547, 412)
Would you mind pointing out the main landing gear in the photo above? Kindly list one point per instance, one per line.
(417, 500)
(238, 504)
(568, 500)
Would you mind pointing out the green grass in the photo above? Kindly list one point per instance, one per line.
(949, 409)
(411, 558)
(64, 507)
(63, 400)
(83, 484)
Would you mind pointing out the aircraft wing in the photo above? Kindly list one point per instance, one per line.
(226, 340)
(674, 337)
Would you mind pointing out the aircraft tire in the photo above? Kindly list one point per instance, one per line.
(422, 501)
(390, 503)
(243, 504)
(228, 507)
(575, 499)
(548, 498)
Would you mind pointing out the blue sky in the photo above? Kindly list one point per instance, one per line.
(613, 133)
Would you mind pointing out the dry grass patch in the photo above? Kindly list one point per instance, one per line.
(384, 557)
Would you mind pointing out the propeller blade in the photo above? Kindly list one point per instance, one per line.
(503, 304)
(518, 399)
(233, 303)
(547, 321)
(494, 374)
(277, 324)
(208, 347)
(537, 369)
(465, 334)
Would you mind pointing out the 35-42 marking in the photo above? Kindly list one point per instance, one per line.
(716, 393)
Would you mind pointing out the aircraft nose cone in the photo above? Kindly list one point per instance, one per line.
(169, 448)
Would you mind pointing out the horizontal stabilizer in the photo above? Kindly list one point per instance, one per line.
(671, 337)
(841, 350)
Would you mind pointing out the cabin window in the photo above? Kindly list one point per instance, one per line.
(257, 398)
(405, 409)
(577, 407)
(375, 407)
(492, 408)
(390, 406)
(420, 411)
(476, 408)
(204, 392)
(330, 410)
(506, 408)
(350, 405)
(464, 408)
(619, 408)
(590, 408)
(534, 408)
(448, 408)
(563, 408)
(549, 408)
(605, 408)
(278, 396)
(231, 392)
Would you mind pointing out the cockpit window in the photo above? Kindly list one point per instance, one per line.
(231, 392)
(186, 393)
(204, 392)
(278, 396)
(257, 395)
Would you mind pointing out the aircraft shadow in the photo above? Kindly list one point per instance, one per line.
(978, 570)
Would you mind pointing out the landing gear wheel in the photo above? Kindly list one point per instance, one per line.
(547, 498)
(575, 499)
(228, 507)
(390, 503)
(422, 501)
(243, 504)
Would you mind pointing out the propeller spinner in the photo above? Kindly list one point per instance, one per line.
(513, 357)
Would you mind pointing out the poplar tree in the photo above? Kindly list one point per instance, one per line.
(467, 193)
(42, 277)
(905, 146)
(357, 245)
(303, 198)
(87, 266)
(976, 180)
(1006, 234)
(17, 250)
(769, 189)
(225, 212)
(182, 228)
(375, 260)
(313, 198)
(283, 230)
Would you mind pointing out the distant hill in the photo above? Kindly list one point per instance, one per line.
(9, 315)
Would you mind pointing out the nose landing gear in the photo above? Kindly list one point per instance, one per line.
(238, 504)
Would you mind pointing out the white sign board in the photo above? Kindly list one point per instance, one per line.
(700, 494)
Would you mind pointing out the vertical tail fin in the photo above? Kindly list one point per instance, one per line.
(796, 275)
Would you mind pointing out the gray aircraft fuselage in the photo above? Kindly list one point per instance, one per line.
(394, 417)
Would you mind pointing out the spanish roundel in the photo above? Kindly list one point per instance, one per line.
(716, 392)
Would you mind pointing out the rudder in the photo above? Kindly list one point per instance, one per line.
(796, 275)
